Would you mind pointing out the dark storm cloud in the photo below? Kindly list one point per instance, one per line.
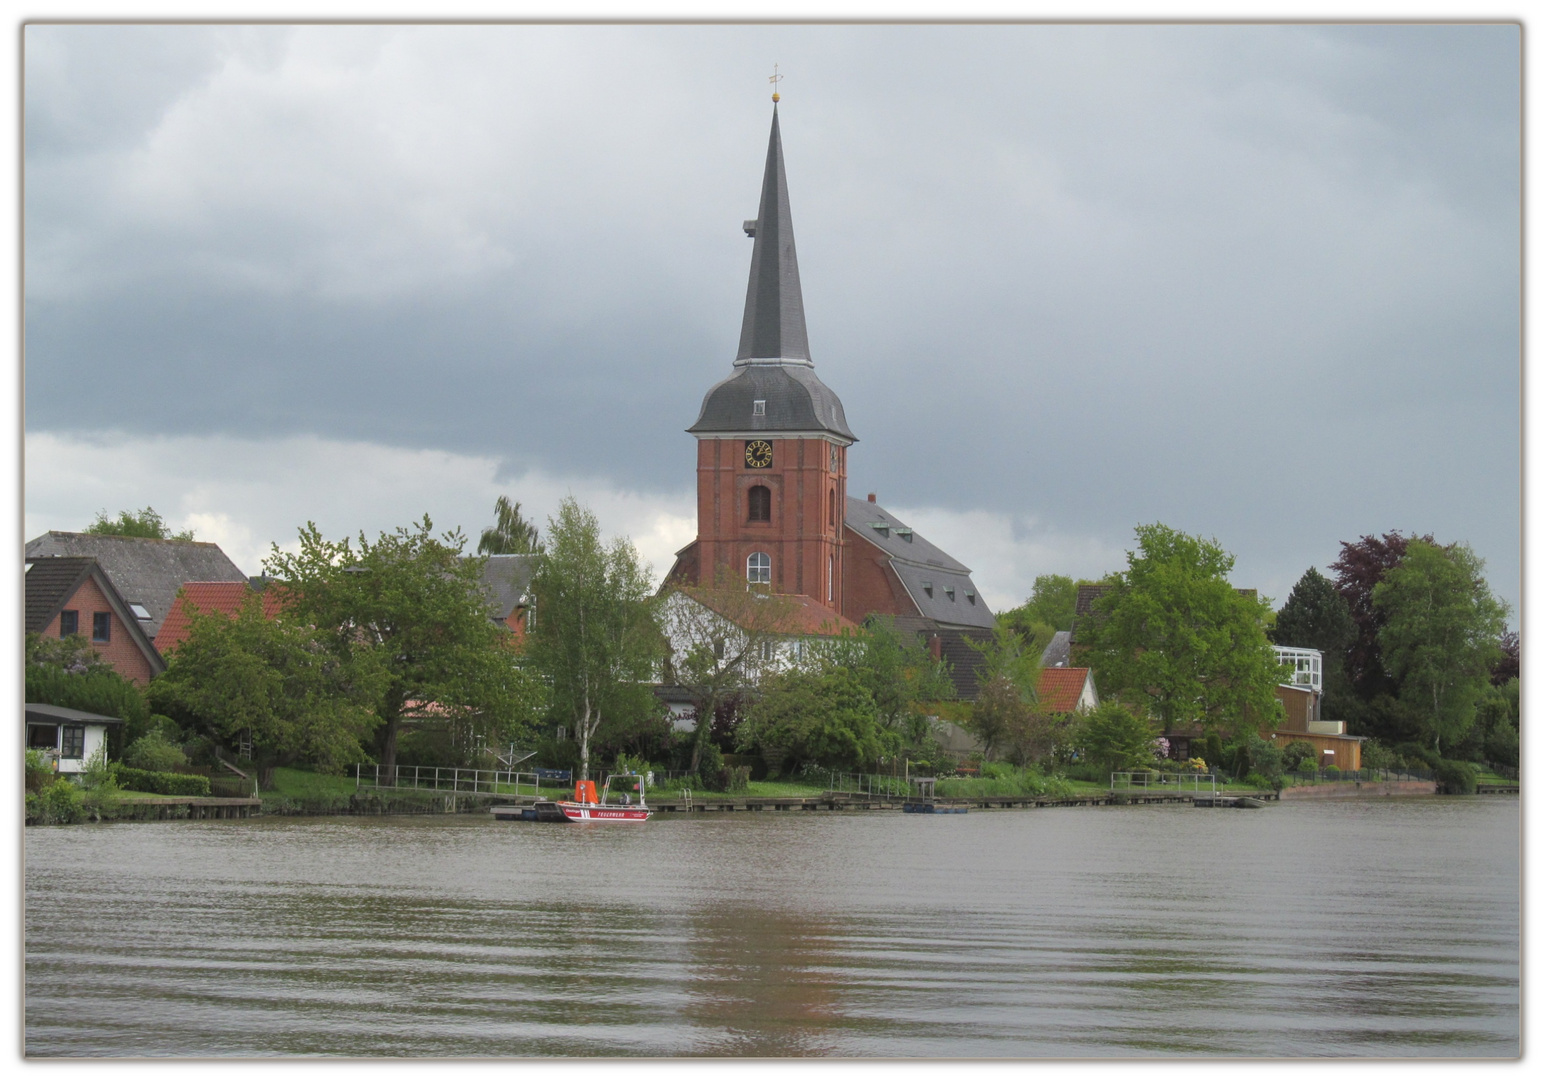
(1256, 282)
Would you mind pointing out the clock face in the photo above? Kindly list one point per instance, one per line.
(757, 454)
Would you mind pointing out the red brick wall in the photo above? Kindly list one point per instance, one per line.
(120, 651)
(800, 537)
(871, 586)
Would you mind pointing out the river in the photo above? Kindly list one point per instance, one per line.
(1386, 928)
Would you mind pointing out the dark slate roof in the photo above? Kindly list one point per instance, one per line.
(1058, 652)
(50, 584)
(58, 714)
(773, 363)
(506, 580)
(147, 572)
(918, 562)
(795, 401)
(773, 309)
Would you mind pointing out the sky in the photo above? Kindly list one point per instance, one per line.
(1259, 283)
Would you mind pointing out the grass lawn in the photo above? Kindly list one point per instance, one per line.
(305, 784)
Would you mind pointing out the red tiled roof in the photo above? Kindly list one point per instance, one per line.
(225, 597)
(1060, 688)
(803, 616)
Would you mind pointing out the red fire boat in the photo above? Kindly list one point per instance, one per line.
(587, 805)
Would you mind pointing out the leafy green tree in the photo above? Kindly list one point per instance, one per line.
(900, 674)
(1361, 566)
(1315, 616)
(274, 681)
(154, 753)
(825, 717)
(1174, 637)
(146, 524)
(1116, 738)
(510, 534)
(598, 638)
(69, 672)
(1051, 606)
(409, 604)
(1441, 635)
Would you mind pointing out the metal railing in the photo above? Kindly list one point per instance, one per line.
(439, 778)
(1143, 780)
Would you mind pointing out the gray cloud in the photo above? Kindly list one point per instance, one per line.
(1256, 282)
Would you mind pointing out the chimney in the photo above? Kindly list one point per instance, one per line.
(872, 496)
(936, 647)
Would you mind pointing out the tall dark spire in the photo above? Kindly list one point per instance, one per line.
(773, 309)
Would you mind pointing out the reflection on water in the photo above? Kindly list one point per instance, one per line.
(1386, 928)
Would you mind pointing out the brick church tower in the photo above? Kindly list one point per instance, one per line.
(771, 438)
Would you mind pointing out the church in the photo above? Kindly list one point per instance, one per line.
(772, 472)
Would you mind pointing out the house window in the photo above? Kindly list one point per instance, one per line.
(760, 503)
(949, 590)
(42, 737)
(72, 743)
(101, 626)
(767, 651)
(969, 595)
(719, 648)
(757, 569)
(69, 623)
(830, 581)
(832, 508)
(141, 612)
(927, 585)
(760, 408)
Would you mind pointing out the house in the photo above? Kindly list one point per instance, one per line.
(147, 573)
(772, 447)
(74, 595)
(1067, 690)
(506, 581)
(205, 597)
(67, 736)
(749, 633)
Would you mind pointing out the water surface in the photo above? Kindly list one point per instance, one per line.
(1378, 927)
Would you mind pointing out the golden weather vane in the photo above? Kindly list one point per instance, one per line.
(776, 77)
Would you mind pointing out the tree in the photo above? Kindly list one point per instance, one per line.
(1115, 737)
(1509, 664)
(1360, 567)
(899, 673)
(597, 639)
(272, 680)
(826, 717)
(410, 603)
(1006, 712)
(1315, 616)
(510, 534)
(722, 638)
(146, 523)
(1440, 636)
(1051, 606)
(69, 672)
(1177, 640)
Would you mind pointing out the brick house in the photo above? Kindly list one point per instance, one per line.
(73, 595)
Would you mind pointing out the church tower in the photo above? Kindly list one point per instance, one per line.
(771, 439)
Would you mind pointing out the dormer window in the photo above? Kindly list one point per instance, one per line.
(759, 408)
(927, 585)
(880, 527)
(969, 595)
(949, 590)
(906, 535)
(140, 612)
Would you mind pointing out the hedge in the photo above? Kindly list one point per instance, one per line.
(162, 783)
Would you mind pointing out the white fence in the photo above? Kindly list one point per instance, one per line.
(1198, 783)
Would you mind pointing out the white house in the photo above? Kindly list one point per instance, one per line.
(68, 737)
(739, 635)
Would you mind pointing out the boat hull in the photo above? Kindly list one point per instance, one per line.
(590, 812)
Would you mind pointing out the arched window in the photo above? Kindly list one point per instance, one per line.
(832, 508)
(758, 569)
(760, 503)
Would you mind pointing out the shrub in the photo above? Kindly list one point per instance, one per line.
(39, 772)
(60, 803)
(1503, 745)
(1299, 756)
(1331, 772)
(732, 778)
(163, 783)
(1455, 778)
(1257, 779)
(153, 753)
(711, 762)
